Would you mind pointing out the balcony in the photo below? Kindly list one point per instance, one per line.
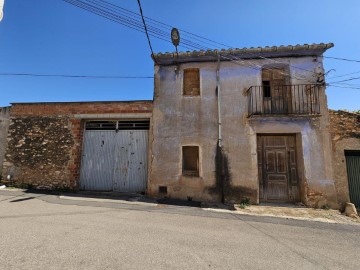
(301, 99)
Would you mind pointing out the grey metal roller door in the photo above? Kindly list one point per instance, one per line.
(114, 160)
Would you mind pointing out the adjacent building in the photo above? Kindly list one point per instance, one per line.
(79, 145)
(345, 134)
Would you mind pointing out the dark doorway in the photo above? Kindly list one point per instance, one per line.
(353, 173)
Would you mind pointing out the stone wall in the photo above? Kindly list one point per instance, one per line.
(345, 134)
(45, 140)
(4, 126)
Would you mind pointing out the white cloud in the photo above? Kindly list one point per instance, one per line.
(1, 9)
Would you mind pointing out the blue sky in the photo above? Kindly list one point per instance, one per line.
(53, 37)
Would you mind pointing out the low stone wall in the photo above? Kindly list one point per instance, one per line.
(4, 126)
(45, 141)
(39, 151)
(345, 135)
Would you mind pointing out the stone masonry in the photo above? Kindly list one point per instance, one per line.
(4, 126)
(45, 140)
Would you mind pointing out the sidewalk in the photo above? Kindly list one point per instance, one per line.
(291, 211)
(285, 211)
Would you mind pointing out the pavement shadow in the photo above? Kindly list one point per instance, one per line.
(131, 197)
(179, 202)
(41, 191)
(22, 199)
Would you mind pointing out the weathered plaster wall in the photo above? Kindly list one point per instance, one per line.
(317, 187)
(45, 140)
(345, 134)
(4, 126)
(180, 120)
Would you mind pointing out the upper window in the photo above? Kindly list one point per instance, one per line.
(273, 81)
(190, 159)
(191, 84)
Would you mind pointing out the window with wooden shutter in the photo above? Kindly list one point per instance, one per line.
(191, 84)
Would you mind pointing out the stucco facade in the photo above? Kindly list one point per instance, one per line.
(180, 120)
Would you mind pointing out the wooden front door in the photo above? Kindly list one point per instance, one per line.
(277, 168)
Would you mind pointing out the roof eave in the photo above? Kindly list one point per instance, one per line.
(239, 54)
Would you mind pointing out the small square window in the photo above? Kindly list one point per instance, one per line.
(190, 160)
(191, 83)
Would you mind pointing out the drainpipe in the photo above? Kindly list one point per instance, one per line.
(219, 101)
(220, 158)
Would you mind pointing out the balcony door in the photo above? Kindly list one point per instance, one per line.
(276, 93)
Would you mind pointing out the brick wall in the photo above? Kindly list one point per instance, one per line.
(45, 140)
(71, 108)
(4, 126)
(345, 135)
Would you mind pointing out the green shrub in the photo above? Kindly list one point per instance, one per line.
(245, 201)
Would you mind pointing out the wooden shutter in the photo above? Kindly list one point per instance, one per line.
(191, 86)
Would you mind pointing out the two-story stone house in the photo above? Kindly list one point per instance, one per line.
(242, 123)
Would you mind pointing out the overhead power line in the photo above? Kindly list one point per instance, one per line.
(146, 31)
(127, 18)
(344, 75)
(164, 25)
(342, 59)
(340, 86)
(350, 79)
(76, 76)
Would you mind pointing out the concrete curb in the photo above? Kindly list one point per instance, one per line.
(87, 199)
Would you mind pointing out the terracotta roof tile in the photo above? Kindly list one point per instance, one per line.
(168, 58)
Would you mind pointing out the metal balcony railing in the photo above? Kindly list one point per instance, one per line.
(301, 99)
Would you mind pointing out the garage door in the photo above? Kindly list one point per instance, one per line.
(115, 156)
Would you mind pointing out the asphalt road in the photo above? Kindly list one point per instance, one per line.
(47, 232)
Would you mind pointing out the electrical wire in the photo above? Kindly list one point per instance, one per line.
(164, 25)
(350, 79)
(344, 75)
(342, 59)
(350, 87)
(155, 31)
(146, 31)
(76, 76)
(167, 26)
(163, 35)
(136, 25)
